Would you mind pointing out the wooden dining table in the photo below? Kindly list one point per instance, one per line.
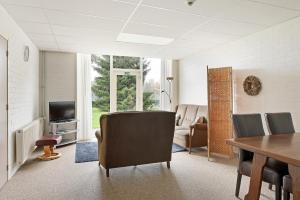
(283, 147)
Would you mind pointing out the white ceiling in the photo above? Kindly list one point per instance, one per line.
(92, 26)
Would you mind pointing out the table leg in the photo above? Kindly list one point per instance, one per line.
(258, 164)
(295, 174)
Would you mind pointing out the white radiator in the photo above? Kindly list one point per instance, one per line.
(26, 137)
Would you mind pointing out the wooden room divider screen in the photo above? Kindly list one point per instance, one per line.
(220, 128)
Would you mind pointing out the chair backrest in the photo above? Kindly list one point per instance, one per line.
(247, 125)
(133, 138)
(280, 123)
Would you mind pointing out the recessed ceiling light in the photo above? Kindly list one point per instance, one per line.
(143, 39)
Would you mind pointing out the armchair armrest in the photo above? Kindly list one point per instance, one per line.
(201, 126)
(197, 126)
(198, 120)
(98, 135)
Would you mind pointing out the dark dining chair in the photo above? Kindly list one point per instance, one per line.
(282, 123)
(287, 187)
(250, 125)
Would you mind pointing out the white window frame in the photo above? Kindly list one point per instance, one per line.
(114, 72)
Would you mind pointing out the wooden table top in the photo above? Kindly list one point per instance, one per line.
(285, 147)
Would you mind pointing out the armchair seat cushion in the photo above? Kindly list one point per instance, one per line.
(182, 132)
(182, 128)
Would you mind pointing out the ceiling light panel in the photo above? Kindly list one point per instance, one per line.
(153, 30)
(143, 39)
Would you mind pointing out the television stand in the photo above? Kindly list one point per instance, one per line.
(67, 129)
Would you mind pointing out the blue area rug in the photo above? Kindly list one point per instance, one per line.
(177, 148)
(88, 151)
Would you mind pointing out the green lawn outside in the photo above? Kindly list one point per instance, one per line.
(96, 117)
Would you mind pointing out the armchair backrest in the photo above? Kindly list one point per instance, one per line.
(280, 123)
(133, 138)
(181, 110)
(202, 112)
(188, 113)
(247, 125)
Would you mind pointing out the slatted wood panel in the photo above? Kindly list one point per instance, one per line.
(219, 110)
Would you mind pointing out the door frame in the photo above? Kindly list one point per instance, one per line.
(7, 116)
(114, 72)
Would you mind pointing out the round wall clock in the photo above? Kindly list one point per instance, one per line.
(252, 85)
(26, 54)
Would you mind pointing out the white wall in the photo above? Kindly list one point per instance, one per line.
(23, 82)
(59, 78)
(273, 55)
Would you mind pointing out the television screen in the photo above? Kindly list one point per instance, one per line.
(61, 111)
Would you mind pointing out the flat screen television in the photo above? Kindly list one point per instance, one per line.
(61, 111)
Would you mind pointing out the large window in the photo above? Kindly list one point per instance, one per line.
(100, 87)
(128, 83)
(151, 85)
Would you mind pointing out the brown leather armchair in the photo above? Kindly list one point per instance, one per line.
(135, 138)
(191, 126)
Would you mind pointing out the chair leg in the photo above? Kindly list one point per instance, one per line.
(277, 192)
(190, 144)
(168, 164)
(238, 184)
(286, 195)
(270, 186)
(107, 173)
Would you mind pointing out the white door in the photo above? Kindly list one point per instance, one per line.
(3, 111)
(126, 96)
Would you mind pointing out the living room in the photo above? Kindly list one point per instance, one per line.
(149, 99)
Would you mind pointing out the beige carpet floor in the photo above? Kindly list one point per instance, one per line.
(190, 177)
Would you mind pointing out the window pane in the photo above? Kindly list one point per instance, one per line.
(100, 86)
(125, 62)
(151, 78)
(126, 93)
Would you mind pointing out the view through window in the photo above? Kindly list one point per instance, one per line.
(131, 83)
